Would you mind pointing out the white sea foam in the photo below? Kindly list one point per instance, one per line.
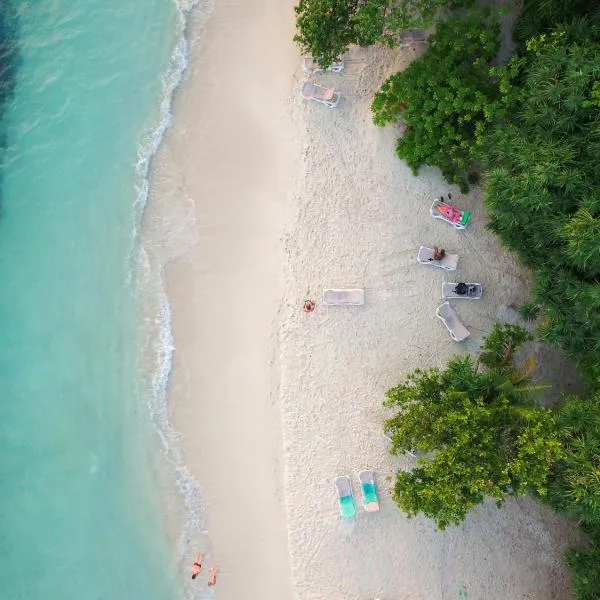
(151, 251)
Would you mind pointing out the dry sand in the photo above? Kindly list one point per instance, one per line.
(291, 198)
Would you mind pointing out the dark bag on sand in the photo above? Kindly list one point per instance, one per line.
(461, 289)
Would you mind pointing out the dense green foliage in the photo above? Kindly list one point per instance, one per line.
(542, 16)
(480, 431)
(574, 482)
(574, 486)
(325, 28)
(543, 184)
(445, 97)
(584, 564)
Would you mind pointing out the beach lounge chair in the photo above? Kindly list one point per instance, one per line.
(327, 96)
(456, 217)
(458, 332)
(413, 36)
(311, 65)
(343, 487)
(449, 262)
(369, 492)
(351, 297)
(463, 291)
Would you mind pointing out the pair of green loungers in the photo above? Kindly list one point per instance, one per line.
(343, 487)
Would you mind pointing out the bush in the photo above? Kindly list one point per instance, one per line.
(446, 97)
(480, 432)
(543, 182)
(325, 28)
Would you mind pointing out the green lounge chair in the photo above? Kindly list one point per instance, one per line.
(369, 491)
(343, 488)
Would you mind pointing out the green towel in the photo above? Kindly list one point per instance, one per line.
(347, 507)
(369, 493)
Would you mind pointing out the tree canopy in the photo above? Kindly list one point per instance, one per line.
(543, 183)
(446, 97)
(574, 486)
(478, 428)
(325, 28)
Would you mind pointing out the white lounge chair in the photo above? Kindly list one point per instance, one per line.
(351, 297)
(412, 37)
(449, 262)
(343, 488)
(449, 213)
(327, 96)
(369, 491)
(310, 65)
(458, 332)
(472, 291)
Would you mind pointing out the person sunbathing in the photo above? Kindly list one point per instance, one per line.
(197, 566)
(452, 214)
(309, 306)
(212, 580)
(438, 253)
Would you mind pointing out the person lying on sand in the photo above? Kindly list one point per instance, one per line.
(212, 580)
(197, 566)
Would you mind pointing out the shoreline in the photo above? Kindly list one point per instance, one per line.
(219, 188)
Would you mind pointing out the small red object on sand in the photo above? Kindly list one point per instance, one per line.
(309, 306)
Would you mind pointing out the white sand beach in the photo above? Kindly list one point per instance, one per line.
(273, 403)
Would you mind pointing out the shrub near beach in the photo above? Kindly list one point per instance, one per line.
(479, 430)
(325, 28)
(445, 98)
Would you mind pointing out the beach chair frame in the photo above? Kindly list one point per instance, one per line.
(448, 263)
(310, 65)
(458, 332)
(413, 37)
(436, 214)
(370, 497)
(344, 297)
(318, 93)
(449, 293)
(345, 496)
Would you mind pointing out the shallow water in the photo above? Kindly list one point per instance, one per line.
(80, 516)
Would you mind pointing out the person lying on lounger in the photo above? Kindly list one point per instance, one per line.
(197, 566)
(438, 253)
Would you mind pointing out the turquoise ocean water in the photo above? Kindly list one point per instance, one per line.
(80, 516)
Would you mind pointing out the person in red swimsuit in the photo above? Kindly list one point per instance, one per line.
(309, 306)
(197, 566)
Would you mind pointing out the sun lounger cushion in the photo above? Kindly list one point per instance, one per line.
(345, 498)
(343, 297)
(449, 262)
(369, 491)
(311, 65)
